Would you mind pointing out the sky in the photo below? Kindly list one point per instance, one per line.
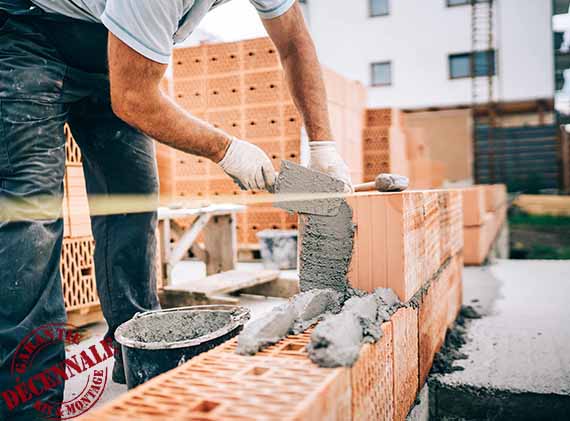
(233, 21)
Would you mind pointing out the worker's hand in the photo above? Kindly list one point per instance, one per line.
(325, 158)
(249, 166)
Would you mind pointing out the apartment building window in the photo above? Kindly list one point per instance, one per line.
(381, 73)
(481, 62)
(451, 3)
(379, 7)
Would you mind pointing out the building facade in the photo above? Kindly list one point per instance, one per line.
(418, 53)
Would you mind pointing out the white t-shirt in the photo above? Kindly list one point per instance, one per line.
(151, 27)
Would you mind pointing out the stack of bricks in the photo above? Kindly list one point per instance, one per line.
(77, 266)
(425, 173)
(347, 105)
(485, 210)
(383, 143)
(281, 383)
(389, 146)
(240, 88)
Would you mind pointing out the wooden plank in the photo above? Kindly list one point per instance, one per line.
(281, 288)
(223, 283)
(180, 298)
(544, 204)
(220, 241)
(85, 315)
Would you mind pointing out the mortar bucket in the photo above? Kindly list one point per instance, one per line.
(157, 341)
(278, 248)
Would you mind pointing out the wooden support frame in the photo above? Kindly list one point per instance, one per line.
(217, 223)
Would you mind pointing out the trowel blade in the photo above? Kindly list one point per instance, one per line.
(296, 179)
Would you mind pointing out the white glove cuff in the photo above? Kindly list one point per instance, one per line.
(316, 145)
(227, 159)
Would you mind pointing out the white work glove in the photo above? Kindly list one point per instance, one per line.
(249, 166)
(325, 158)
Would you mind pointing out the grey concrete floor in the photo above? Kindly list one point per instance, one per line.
(519, 351)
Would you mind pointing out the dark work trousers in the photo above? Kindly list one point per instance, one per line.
(43, 86)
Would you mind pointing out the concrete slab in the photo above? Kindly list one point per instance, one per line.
(518, 364)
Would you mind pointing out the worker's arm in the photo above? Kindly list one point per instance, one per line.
(137, 99)
(304, 77)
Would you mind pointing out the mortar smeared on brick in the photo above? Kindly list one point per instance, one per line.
(327, 231)
(337, 340)
(294, 317)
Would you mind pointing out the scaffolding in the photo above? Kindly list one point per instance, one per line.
(483, 87)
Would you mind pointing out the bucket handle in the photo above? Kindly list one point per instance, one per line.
(239, 314)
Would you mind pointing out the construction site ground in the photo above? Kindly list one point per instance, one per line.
(518, 352)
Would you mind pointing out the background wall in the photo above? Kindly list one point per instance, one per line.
(448, 136)
(417, 38)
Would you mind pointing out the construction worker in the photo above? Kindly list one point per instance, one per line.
(97, 64)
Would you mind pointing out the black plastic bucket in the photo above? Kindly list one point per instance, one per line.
(157, 341)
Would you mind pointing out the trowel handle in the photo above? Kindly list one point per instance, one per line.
(384, 183)
(371, 186)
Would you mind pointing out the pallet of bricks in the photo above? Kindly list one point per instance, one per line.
(77, 266)
(485, 212)
(240, 87)
(388, 146)
(411, 242)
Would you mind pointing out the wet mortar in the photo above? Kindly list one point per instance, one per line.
(174, 327)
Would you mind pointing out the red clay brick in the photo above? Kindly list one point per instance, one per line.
(406, 371)
(191, 94)
(264, 87)
(389, 243)
(230, 121)
(224, 91)
(495, 197)
(223, 58)
(372, 379)
(263, 122)
(72, 151)
(455, 293)
(260, 53)
(383, 117)
(473, 206)
(478, 240)
(237, 388)
(189, 62)
(75, 203)
(432, 321)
